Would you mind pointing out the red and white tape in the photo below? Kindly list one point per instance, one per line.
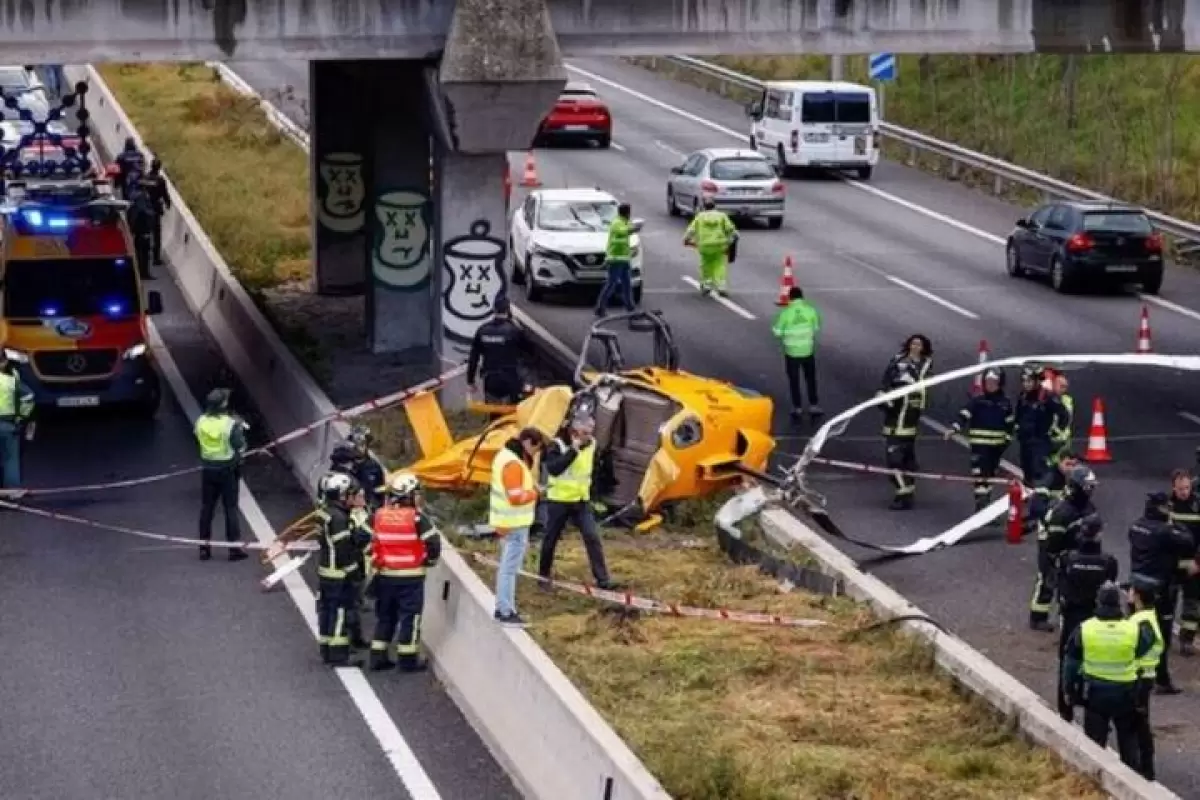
(155, 537)
(376, 404)
(628, 600)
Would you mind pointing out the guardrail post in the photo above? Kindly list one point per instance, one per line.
(998, 185)
(912, 156)
(954, 169)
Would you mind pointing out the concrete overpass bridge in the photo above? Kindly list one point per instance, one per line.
(399, 84)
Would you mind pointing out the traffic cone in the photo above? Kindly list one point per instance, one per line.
(530, 179)
(1143, 342)
(786, 283)
(977, 384)
(1015, 524)
(1097, 446)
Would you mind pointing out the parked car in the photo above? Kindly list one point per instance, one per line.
(578, 116)
(558, 237)
(742, 183)
(1081, 245)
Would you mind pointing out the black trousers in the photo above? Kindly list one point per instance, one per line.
(1189, 614)
(156, 238)
(1165, 610)
(1104, 712)
(1072, 618)
(1035, 460)
(1045, 585)
(219, 484)
(143, 251)
(795, 366)
(901, 456)
(503, 387)
(335, 596)
(985, 463)
(399, 603)
(557, 517)
(1145, 734)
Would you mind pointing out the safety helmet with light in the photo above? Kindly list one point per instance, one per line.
(1082, 478)
(337, 487)
(403, 486)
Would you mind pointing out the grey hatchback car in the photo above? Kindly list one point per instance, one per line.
(742, 183)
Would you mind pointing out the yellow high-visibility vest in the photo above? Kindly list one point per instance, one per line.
(214, 435)
(1110, 650)
(575, 484)
(1148, 663)
(502, 513)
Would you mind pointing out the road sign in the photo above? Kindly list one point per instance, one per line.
(883, 66)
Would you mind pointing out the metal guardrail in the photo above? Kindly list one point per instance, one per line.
(1187, 234)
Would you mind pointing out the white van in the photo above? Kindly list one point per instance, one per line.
(817, 124)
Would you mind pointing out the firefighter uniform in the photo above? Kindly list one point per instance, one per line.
(405, 543)
(1057, 533)
(338, 560)
(360, 530)
(1040, 416)
(1061, 430)
(1048, 491)
(988, 420)
(1145, 616)
(901, 418)
(1081, 574)
(1156, 548)
(1185, 515)
(1100, 668)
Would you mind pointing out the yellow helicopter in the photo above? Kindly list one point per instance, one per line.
(662, 434)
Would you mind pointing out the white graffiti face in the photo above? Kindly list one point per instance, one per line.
(341, 207)
(400, 256)
(473, 272)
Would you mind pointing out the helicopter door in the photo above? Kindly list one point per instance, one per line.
(642, 416)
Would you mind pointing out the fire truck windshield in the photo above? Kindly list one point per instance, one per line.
(77, 287)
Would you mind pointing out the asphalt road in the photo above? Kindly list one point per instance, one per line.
(137, 671)
(904, 254)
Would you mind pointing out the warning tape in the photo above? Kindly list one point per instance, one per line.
(629, 600)
(376, 404)
(856, 466)
(305, 546)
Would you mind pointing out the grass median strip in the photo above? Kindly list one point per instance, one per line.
(719, 711)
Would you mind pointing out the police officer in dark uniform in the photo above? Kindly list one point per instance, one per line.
(142, 218)
(496, 352)
(1184, 508)
(365, 467)
(1156, 549)
(1081, 574)
(1040, 415)
(338, 559)
(988, 419)
(130, 162)
(156, 184)
(1057, 534)
(1048, 491)
(1143, 598)
(902, 416)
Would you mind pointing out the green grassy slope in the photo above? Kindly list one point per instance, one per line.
(1125, 125)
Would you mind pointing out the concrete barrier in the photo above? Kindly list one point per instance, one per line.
(971, 668)
(537, 724)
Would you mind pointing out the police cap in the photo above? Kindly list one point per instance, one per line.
(501, 306)
(217, 400)
(1144, 584)
(1091, 526)
(1157, 503)
(1109, 596)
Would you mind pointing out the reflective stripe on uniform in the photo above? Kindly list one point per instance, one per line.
(575, 484)
(213, 433)
(987, 438)
(1148, 663)
(1109, 650)
(502, 513)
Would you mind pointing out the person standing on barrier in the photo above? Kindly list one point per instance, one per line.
(160, 199)
(405, 544)
(512, 511)
(496, 352)
(1082, 572)
(1142, 598)
(1057, 534)
(713, 234)
(1157, 549)
(365, 467)
(1100, 670)
(902, 416)
(338, 559)
(222, 440)
(16, 407)
(988, 420)
(1048, 491)
(1039, 414)
(1184, 508)
(618, 253)
(796, 327)
(569, 462)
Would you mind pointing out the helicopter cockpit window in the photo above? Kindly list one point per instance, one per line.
(687, 433)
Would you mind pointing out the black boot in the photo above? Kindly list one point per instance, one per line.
(903, 503)
(412, 664)
(380, 661)
(205, 552)
(237, 554)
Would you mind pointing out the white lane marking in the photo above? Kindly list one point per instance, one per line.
(395, 748)
(725, 301)
(1190, 417)
(620, 148)
(668, 148)
(862, 187)
(938, 427)
(933, 297)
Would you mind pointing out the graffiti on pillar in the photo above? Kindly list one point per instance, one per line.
(473, 271)
(341, 192)
(400, 252)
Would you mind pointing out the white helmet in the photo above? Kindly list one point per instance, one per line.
(403, 485)
(335, 486)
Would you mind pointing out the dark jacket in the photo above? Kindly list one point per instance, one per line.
(371, 476)
(1156, 547)
(339, 548)
(1048, 491)
(1037, 414)
(1081, 574)
(902, 415)
(156, 184)
(131, 162)
(987, 419)
(498, 346)
(1059, 528)
(1185, 515)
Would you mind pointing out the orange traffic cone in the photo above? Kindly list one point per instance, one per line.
(1143, 340)
(1097, 445)
(786, 283)
(530, 179)
(977, 384)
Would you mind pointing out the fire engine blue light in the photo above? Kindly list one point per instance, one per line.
(114, 309)
(49, 311)
(34, 218)
(58, 222)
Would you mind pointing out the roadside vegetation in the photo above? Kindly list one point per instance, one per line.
(718, 711)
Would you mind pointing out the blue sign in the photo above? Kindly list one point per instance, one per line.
(882, 66)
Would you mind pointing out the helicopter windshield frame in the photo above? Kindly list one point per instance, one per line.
(666, 352)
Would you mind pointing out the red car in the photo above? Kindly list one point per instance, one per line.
(579, 115)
